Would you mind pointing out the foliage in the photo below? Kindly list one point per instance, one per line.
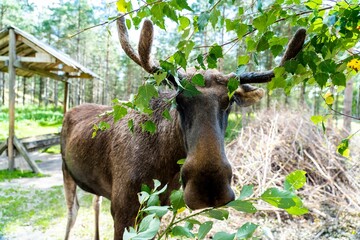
(31, 120)
(147, 223)
(333, 30)
(6, 175)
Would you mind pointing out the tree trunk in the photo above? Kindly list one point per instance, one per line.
(56, 97)
(2, 87)
(24, 90)
(348, 96)
(41, 90)
(302, 94)
(46, 94)
(106, 81)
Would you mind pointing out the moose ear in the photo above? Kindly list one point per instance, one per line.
(247, 95)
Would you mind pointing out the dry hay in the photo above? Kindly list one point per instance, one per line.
(278, 143)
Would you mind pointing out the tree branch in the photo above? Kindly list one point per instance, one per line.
(114, 19)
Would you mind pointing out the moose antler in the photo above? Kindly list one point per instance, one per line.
(142, 58)
(294, 47)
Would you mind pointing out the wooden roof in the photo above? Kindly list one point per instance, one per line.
(36, 57)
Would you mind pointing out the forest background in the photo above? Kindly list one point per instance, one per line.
(260, 29)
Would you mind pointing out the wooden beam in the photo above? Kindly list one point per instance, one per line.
(66, 98)
(39, 58)
(12, 76)
(3, 146)
(4, 58)
(39, 71)
(22, 150)
(30, 44)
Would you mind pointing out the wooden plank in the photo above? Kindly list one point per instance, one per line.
(12, 76)
(3, 147)
(20, 147)
(39, 58)
(4, 58)
(39, 71)
(41, 141)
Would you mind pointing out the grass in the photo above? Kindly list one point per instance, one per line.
(31, 121)
(6, 175)
(44, 210)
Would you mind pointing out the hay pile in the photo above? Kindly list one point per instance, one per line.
(280, 142)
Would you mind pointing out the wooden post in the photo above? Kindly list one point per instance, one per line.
(12, 76)
(66, 98)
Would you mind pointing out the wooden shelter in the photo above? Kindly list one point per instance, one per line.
(24, 55)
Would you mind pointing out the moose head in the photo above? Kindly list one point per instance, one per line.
(206, 174)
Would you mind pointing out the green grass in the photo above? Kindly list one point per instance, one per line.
(45, 210)
(31, 121)
(6, 175)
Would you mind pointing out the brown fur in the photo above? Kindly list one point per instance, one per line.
(116, 162)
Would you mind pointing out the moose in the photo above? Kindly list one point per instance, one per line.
(117, 161)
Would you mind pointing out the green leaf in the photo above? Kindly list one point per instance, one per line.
(232, 85)
(343, 148)
(242, 60)
(121, 6)
(214, 17)
(279, 198)
(203, 21)
(246, 231)
(182, 232)
(166, 114)
(170, 13)
(216, 50)
(243, 206)
(204, 229)
(317, 119)
(181, 161)
(183, 5)
(246, 191)
(298, 209)
(276, 49)
(157, 210)
(149, 126)
(148, 228)
(321, 78)
(263, 44)
(159, 77)
(189, 89)
(145, 94)
(180, 59)
(219, 214)
(260, 23)
(339, 79)
(291, 66)
(119, 112)
(177, 200)
(184, 22)
(198, 79)
(200, 60)
(295, 180)
(131, 125)
(157, 184)
(223, 236)
(143, 197)
(241, 29)
(328, 66)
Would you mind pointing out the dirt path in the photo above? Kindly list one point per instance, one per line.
(50, 164)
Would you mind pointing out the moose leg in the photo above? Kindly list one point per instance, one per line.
(124, 207)
(96, 205)
(71, 200)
